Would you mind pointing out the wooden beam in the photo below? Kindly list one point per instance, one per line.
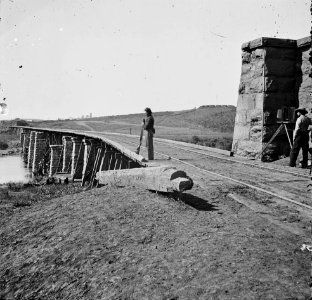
(162, 179)
(126, 152)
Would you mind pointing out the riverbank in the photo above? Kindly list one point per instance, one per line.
(18, 195)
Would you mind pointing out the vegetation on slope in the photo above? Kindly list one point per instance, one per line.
(210, 125)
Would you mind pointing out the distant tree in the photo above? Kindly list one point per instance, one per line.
(195, 139)
(3, 145)
(21, 123)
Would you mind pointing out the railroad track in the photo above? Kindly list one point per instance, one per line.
(253, 186)
(205, 152)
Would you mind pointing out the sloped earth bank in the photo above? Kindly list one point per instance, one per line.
(127, 243)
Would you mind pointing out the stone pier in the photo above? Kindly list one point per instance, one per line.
(274, 76)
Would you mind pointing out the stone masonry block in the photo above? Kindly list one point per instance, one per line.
(305, 100)
(304, 67)
(305, 53)
(256, 133)
(241, 117)
(273, 101)
(279, 68)
(253, 73)
(281, 85)
(249, 148)
(246, 57)
(306, 84)
(254, 86)
(254, 116)
(241, 132)
(250, 101)
(258, 53)
(280, 53)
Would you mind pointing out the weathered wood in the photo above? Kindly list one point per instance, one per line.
(162, 179)
(126, 152)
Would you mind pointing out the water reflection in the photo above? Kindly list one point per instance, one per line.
(12, 169)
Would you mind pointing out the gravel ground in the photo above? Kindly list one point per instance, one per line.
(128, 243)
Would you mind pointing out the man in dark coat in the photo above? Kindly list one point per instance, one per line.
(301, 138)
(148, 125)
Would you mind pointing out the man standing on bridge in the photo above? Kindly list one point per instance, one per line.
(301, 138)
(148, 125)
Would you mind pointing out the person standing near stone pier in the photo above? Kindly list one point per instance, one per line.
(148, 125)
(301, 138)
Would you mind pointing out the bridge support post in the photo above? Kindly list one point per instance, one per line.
(124, 163)
(30, 157)
(22, 137)
(25, 146)
(40, 147)
(112, 160)
(105, 159)
(67, 153)
(55, 158)
(90, 152)
(118, 157)
(77, 158)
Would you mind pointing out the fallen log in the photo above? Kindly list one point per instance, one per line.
(162, 179)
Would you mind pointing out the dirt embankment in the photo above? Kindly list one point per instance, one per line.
(127, 243)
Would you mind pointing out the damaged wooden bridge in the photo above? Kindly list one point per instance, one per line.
(69, 155)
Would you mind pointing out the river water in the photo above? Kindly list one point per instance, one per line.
(12, 169)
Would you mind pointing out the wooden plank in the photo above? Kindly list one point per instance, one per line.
(96, 165)
(162, 179)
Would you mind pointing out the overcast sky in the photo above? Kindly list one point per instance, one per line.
(67, 58)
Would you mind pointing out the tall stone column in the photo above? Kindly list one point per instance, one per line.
(67, 154)
(30, 157)
(40, 148)
(268, 83)
(55, 158)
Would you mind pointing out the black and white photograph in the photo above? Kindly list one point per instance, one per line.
(155, 150)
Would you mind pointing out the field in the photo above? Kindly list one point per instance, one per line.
(208, 125)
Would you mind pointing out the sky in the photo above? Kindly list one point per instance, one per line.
(68, 58)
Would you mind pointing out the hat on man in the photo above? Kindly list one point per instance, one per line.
(301, 110)
(148, 110)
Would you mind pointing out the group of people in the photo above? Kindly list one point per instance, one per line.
(301, 138)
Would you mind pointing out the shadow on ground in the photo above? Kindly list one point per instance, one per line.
(191, 200)
(196, 202)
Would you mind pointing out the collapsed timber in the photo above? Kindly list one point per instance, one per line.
(68, 156)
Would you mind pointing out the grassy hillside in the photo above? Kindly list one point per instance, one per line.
(210, 125)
